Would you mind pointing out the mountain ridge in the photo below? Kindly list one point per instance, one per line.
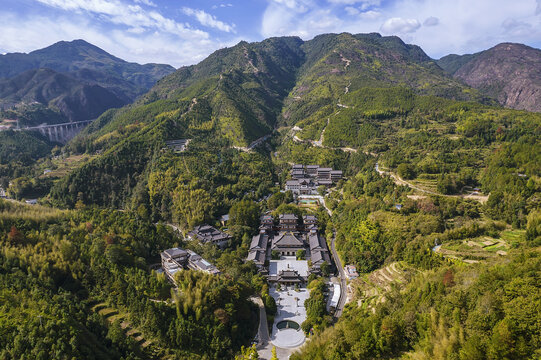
(509, 72)
(79, 79)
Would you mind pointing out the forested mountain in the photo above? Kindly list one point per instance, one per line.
(509, 72)
(439, 210)
(66, 98)
(70, 81)
(77, 55)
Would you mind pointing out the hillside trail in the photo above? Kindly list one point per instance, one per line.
(399, 181)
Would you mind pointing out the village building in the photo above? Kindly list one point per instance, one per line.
(177, 259)
(207, 234)
(179, 145)
(351, 272)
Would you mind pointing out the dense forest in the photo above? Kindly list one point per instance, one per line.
(61, 269)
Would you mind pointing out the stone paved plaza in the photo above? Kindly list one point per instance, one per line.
(290, 304)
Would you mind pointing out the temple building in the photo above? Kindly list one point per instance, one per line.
(208, 234)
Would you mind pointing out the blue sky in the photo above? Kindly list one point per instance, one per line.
(183, 32)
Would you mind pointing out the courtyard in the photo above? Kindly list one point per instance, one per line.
(286, 331)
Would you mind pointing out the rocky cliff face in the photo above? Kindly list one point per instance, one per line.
(509, 72)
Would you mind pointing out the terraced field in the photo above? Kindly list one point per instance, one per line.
(481, 248)
(147, 348)
(369, 290)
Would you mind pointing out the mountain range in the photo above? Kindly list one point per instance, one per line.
(360, 91)
(70, 81)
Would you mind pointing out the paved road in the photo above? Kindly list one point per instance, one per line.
(263, 330)
(343, 282)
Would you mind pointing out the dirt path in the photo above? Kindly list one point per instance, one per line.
(399, 181)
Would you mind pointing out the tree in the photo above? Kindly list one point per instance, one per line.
(248, 353)
(191, 207)
(301, 253)
(325, 268)
(244, 213)
(15, 236)
(406, 171)
(273, 352)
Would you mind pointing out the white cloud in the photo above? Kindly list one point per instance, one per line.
(222, 6)
(299, 6)
(364, 3)
(463, 26)
(132, 16)
(516, 28)
(431, 21)
(209, 20)
(34, 32)
(399, 25)
(351, 10)
(146, 2)
(370, 15)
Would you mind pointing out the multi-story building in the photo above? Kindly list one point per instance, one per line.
(336, 175)
(311, 170)
(319, 253)
(288, 222)
(323, 173)
(310, 222)
(297, 171)
(259, 248)
(177, 259)
(267, 223)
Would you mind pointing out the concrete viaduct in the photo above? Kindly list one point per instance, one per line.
(61, 133)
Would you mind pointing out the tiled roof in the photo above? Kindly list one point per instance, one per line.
(287, 239)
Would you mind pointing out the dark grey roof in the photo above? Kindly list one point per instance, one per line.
(324, 169)
(259, 241)
(257, 256)
(287, 239)
(309, 218)
(288, 217)
(312, 166)
(206, 233)
(316, 241)
(298, 166)
(336, 172)
(318, 257)
(175, 252)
